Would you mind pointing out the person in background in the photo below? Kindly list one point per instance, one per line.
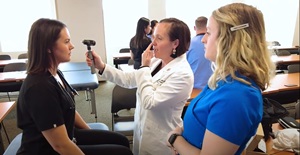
(227, 112)
(153, 24)
(164, 83)
(140, 41)
(46, 106)
(200, 65)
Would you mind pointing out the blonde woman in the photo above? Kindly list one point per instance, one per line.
(222, 119)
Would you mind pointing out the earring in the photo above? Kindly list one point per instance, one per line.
(173, 55)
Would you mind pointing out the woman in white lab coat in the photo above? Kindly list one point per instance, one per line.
(164, 83)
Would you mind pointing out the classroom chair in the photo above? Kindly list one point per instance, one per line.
(16, 142)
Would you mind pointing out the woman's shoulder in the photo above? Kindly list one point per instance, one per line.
(233, 87)
(39, 80)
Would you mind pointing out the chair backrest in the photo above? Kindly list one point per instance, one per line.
(124, 50)
(130, 62)
(18, 66)
(282, 52)
(297, 109)
(294, 68)
(122, 98)
(5, 57)
(23, 56)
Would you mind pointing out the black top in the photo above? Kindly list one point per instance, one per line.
(43, 104)
(138, 51)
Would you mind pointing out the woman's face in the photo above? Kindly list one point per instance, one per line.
(63, 47)
(148, 29)
(162, 45)
(210, 39)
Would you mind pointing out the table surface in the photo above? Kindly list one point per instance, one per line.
(269, 143)
(283, 82)
(122, 55)
(285, 48)
(5, 108)
(5, 62)
(12, 76)
(293, 58)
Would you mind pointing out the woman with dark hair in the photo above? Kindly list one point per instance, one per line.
(46, 106)
(153, 24)
(140, 41)
(164, 83)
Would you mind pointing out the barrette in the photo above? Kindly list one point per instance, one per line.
(234, 28)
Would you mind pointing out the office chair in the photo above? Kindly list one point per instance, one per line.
(294, 68)
(16, 142)
(130, 62)
(23, 56)
(5, 57)
(281, 67)
(282, 52)
(124, 50)
(123, 99)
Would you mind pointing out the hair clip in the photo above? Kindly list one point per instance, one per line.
(242, 26)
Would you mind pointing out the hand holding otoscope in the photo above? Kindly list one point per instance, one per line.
(90, 43)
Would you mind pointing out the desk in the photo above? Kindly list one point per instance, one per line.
(292, 50)
(269, 142)
(5, 108)
(12, 76)
(280, 81)
(290, 59)
(121, 58)
(5, 62)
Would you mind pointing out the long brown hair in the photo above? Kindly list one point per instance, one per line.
(42, 37)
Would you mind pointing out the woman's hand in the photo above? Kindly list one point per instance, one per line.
(178, 130)
(147, 56)
(99, 64)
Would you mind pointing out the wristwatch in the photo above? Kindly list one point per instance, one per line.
(173, 138)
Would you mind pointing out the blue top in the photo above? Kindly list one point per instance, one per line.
(232, 111)
(200, 65)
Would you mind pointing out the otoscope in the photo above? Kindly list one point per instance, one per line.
(90, 43)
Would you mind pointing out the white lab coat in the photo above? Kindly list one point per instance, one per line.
(160, 101)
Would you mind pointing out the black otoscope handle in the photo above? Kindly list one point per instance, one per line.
(90, 55)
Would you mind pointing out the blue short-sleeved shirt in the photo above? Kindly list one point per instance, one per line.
(232, 111)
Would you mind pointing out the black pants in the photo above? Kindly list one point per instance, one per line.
(101, 142)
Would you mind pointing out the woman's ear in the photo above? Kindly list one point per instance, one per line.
(175, 43)
(49, 51)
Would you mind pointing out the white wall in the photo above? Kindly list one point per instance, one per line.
(84, 19)
(296, 41)
(156, 9)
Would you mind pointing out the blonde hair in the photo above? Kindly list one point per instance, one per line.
(244, 50)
